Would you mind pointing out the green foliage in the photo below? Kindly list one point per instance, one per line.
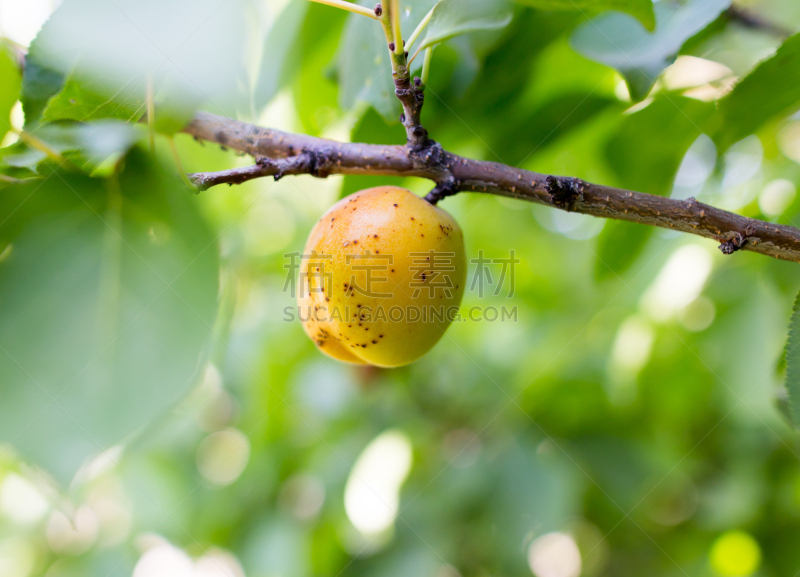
(101, 279)
(649, 145)
(620, 42)
(280, 52)
(636, 401)
(86, 146)
(455, 17)
(768, 92)
(84, 100)
(39, 84)
(645, 154)
(642, 10)
(365, 73)
(618, 247)
(113, 69)
(10, 87)
(364, 68)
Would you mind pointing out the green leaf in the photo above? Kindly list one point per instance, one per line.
(365, 71)
(545, 124)
(642, 10)
(88, 99)
(793, 363)
(280, 60)
(373, 128)
(117, 50)
(770, 91)
(10, 83)
(645, 154)
(40, 81)
(647, 149)
(619, 41)
(85, 146)
(618, 247)
(315, 89)
(455, 17)
(109, 295)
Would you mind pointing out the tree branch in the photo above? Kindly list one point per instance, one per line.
(302, 154)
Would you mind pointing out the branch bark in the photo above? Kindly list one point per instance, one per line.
(302, 154)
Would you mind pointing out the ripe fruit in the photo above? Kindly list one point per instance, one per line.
(382, 277)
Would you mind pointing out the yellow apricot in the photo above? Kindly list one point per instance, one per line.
(382, 277)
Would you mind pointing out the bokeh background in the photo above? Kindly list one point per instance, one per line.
(630, 421)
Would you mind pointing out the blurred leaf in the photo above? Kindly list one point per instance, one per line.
(770, 91)
(642, 10)
(365, 72)
(793, 363)
(374, 129)
(619, 41)
(647, 149)
(315, 89)
(618, 246)
(514, 52)
(172, 113)
(86, 146)
(117, 562)
(117, 48)
(544, 125)
(535, 492)
(39, 81)
(87, 99)
(10, 83)
(645, 154)
(281, 53)
(109, 295)
(455, 17)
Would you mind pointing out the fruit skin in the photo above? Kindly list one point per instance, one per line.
(340, 301)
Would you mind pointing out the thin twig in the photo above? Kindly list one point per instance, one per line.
(420, 28)
(355, 8)
(453, 174)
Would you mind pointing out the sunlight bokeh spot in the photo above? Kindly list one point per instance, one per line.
(218, 563)
(72, 535)
(372, 493)
(17, 557)
(20, 501)
(776, 197)
(735, 554)
(679, 283)
(555, 555)
(164, 561)
(223, 456)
